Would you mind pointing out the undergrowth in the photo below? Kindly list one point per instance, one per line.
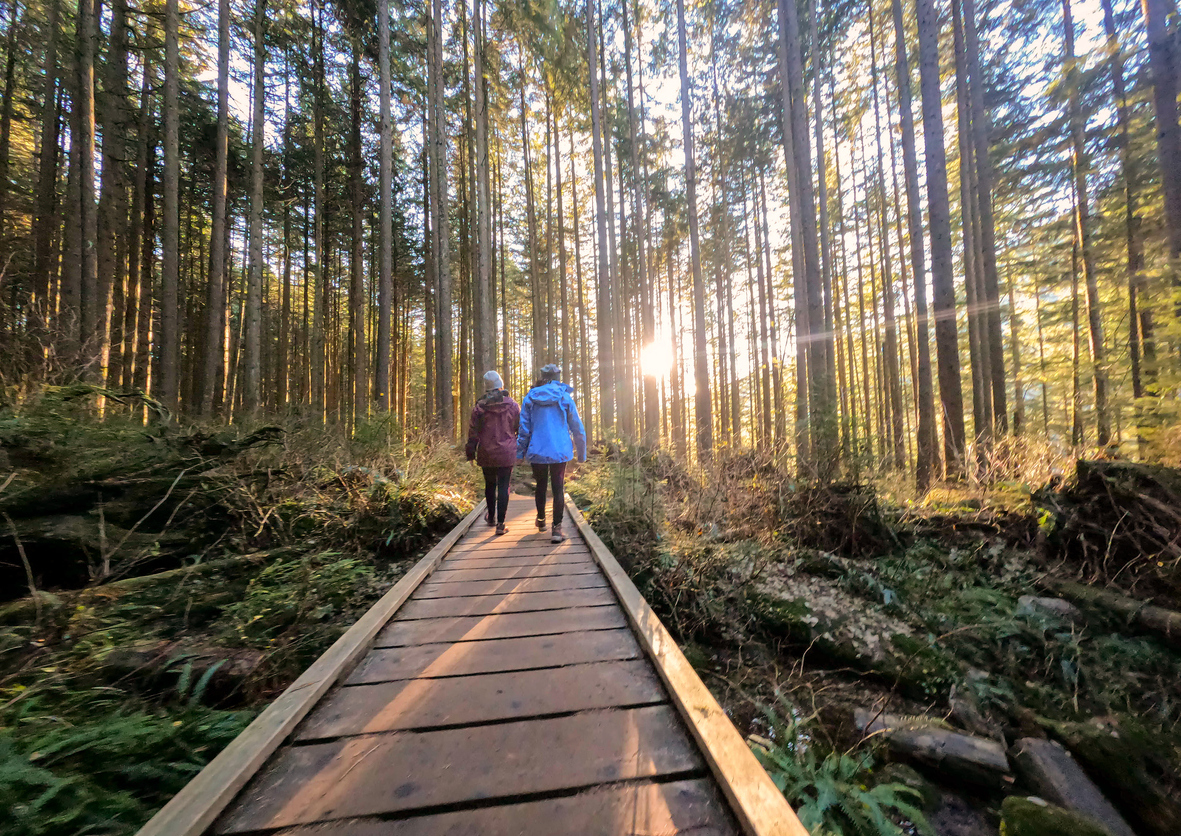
(112, 697)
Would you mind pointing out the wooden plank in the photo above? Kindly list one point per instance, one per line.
(484, 698)
(493, 655)
(538, 544)
(505, 573)
(635, 808)
(515, 585)
(379, 774)
(203, 799)
(399, 633)
(757, 803)
(528, 560)
(522, 602)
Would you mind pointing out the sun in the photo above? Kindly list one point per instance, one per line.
(656, 358)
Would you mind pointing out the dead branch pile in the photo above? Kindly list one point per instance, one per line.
(1117, 522)
(842, 518)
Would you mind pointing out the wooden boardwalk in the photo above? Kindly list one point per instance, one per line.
(504, 686)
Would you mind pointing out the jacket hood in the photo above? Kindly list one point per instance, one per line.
(551, 392)
(493, 397)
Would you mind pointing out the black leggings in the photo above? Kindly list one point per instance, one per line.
(496, 482)
(555, 474)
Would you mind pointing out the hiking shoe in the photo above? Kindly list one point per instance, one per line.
(501, 528)
(556, 534)
(488, 518)
(540, 523)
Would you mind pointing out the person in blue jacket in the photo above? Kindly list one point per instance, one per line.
(549, 436)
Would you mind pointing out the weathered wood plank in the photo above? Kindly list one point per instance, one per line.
(507, 587)
(203, 799)
(759, 806)
(499, 562)
(520, 602)
(463, 658)
(399, 633)
(376, 774)
(504, 573)
(423, 703)
(639, 808)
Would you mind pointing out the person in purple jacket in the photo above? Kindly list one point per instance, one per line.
(492, 444)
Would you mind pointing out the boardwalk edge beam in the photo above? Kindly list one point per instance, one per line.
(757, 804)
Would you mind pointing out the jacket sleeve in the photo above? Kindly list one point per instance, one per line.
(524, 431)
(473, 434)
(577, 430)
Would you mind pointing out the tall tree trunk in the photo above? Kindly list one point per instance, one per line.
(485, 307)
(946, 338)
(252, 378)
(213, 371)
(443, 353)
(112, 214)
(169, 353)
(318, 349)
(1083, 223)
(584, 365)
(926, 451)
(1162, 62)
(90, 341)
(358, 299)
(44, 221)
(603, 283)
(1141, 336)
(703, 414)
(385, 241)
(651, 404)
(14, 21)
(990, 283)
(892, 369)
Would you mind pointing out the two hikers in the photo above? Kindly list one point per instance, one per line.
(545, 431)
(551, 433)
(492, 444)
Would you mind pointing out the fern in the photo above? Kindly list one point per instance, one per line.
(830, 793)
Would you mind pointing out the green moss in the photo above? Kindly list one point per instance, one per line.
(1026, 817)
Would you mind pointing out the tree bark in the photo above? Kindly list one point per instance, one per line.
(169, 352)
(946, 337)
(926, 450)
(1083, 224)
(485, 307)
(358, 299)
(1162, 63)
(385, 243)
(443, 347)
(252, 378)
(703, 415)
(603, 284)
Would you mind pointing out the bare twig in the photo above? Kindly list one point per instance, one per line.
(25, 560)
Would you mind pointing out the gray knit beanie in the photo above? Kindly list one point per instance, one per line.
(492, 381)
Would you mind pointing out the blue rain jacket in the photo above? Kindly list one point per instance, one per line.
(549, 422)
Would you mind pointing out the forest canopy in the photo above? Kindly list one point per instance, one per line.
(865, 234)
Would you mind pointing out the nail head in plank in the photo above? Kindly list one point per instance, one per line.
(517, 602)
(758, 804)
(400, 633)
(641, 807)
(484, 698)
(463, 658)
(377, 774)
(196, 806)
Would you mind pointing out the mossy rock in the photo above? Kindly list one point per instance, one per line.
(784, 618)
(1033, 817)
(908, 776)
(1132, 766)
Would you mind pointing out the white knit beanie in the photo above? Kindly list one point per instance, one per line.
(492, 381)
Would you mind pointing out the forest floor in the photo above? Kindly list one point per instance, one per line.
(183, 577)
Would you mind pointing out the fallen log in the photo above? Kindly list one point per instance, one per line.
(974, 759)
(1156, 620)
(25, 609)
